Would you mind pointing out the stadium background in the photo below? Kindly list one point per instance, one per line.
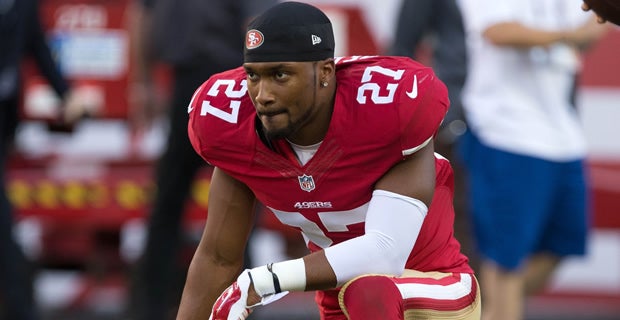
(81, 197)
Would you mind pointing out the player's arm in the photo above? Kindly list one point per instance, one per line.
(414, 177)
(219, 256)
(395, 215)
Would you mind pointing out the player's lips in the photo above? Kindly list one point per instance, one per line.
(270, 114)
(272, 118)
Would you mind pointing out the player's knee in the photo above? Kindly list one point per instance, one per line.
(371, 297)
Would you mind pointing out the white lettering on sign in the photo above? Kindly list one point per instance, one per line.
(82, 16)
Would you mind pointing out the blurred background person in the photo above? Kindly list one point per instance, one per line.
(524, 151)
(600, 19)
(195, 39)
(22, 36)
(437, 25)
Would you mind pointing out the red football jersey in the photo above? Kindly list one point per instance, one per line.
(385, 108)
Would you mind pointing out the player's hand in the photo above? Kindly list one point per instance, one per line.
(232, 303)
(238, 300)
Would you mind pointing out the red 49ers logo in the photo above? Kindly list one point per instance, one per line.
(254, 39)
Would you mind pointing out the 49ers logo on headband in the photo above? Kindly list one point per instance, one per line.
(254, 39)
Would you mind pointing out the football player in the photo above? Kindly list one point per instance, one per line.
(341, 150)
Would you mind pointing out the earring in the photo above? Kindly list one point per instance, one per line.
(324, 84)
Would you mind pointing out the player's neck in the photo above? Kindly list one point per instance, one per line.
(315, 130)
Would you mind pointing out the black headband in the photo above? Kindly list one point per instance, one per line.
(289, 31)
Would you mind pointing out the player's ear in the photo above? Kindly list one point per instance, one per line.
(327, 69)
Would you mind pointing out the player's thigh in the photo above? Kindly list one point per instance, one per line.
(422, 295)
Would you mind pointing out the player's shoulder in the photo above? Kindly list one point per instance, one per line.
(388, 79)
(389, 71)
(221, 113)
(361, 63)
(396, 89)
(232, 77)
(221, 90)
(221, 101)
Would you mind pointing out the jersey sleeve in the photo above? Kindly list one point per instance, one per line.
(220, 111)
(422, 106)
(194, 130)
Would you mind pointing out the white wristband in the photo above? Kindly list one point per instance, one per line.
(289, 275)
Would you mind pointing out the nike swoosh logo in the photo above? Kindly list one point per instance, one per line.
(414, 90)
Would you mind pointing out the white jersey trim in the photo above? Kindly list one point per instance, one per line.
(435, 291)
(413, 150)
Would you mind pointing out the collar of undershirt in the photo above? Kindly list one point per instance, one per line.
(304, 153)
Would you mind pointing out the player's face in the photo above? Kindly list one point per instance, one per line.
(285, 97)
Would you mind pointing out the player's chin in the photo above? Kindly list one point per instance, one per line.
(274, 131)
(277, 122)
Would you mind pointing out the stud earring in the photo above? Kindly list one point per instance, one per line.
(324, 84)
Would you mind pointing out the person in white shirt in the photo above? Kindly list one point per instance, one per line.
(524, 152)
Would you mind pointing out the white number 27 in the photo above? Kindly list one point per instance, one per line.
(374, 87)
(230, 92)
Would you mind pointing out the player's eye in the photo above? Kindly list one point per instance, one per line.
(251, 76)
(280, 75)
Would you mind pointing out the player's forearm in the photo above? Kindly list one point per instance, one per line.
(319, 273)
(205, 282)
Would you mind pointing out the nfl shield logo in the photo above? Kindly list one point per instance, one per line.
(306, 182)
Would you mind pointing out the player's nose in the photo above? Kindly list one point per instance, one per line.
(264, 94)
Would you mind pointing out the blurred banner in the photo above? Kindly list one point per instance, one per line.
(90, 42)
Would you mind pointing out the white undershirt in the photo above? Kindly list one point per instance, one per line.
(305, 153)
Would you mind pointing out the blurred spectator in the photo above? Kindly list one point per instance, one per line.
(438, 24)
(196, 39)
(586, 7)
(22, 35)
(525, 149)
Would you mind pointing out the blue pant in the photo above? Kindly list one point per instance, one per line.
(522, 205)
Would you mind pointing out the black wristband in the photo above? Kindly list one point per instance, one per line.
(276, 281)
